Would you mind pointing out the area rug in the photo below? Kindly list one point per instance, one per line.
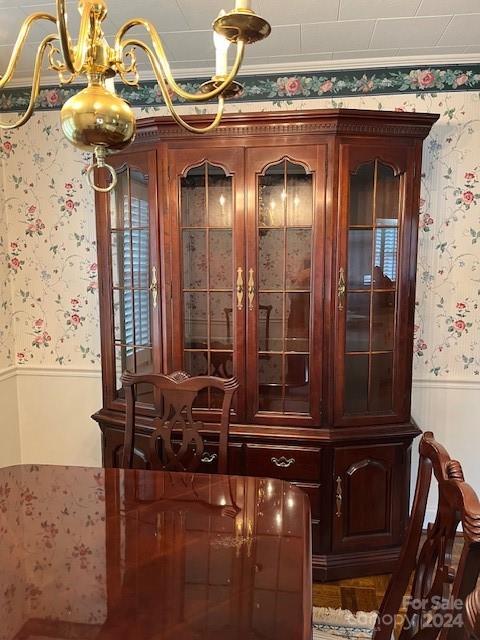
(328, 623)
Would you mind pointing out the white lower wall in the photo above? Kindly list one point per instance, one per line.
(451, 409)
(55, 406)
(52, 424)
(10, 451)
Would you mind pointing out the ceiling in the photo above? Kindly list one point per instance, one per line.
(307, 34)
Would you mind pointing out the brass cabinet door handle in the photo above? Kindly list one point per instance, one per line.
(239, 288)
(283, 461)
(154, 287)
(251, 289)
(341, 288)
(339, 497)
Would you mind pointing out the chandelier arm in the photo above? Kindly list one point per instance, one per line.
(37, 69)
(163, 60)
(124, 70)
(75, 57)
(179, 120)
(164, 88)
(19, 43)
(64, 80)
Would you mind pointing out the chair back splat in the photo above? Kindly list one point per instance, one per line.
(176, 442)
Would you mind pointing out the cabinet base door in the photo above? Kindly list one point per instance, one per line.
(371, 493)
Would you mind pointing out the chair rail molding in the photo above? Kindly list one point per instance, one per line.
(7, 373)
(77, 372)
(447, 383)
(57, 372)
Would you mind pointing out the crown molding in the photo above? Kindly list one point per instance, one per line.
(357, 63)
(320, 122)
(365, 64)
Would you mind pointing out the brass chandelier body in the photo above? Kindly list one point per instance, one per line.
(96, 119)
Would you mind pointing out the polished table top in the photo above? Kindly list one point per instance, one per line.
(107, 554)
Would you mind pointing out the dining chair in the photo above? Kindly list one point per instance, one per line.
(174, 428)
(440, 584)
(472, 614)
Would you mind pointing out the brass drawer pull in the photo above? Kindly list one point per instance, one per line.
(208, 457)
(339, 497)
(239, 288)
(283, 461)
(341, 288)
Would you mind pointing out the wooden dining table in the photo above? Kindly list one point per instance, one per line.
(104, 554)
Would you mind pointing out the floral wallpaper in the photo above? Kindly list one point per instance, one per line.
(12, 581)
(6, 329)
(47, 237)
(49, 251)
(55, 544)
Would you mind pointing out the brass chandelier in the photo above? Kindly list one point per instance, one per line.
(96, 119)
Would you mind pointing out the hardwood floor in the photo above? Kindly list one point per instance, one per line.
(361, 594)
(356, 594)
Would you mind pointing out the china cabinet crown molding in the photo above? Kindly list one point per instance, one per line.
(329, 121)
(279, 248)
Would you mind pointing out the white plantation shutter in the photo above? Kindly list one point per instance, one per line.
(136, 257)
(386, 252)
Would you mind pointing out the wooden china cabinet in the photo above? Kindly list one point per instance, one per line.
(281, 248)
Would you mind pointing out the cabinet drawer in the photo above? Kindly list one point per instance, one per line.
(209, 460)
(286, 463)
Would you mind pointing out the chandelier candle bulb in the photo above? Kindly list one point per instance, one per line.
(110, 85)
(243, 5)
(221, 54)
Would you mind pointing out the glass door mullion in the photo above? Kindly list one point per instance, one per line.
(282, 232)
(132, 274)
(130, 227)
(370, 328)
(208, 258)
(368, 351)
(207, 253)
(284, 284)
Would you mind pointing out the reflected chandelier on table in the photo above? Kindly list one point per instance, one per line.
(96, 119)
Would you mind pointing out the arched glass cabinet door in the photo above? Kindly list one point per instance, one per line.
(284, 286)
(134, 278)
(209, 297)
(372, 328)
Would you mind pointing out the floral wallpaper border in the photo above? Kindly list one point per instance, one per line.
(281, 87)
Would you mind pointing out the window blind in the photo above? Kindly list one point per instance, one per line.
(136, 261)
(386, 252)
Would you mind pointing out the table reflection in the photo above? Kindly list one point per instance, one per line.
(100, 554)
